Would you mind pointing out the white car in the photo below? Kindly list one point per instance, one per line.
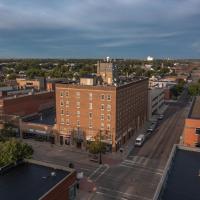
(140, 140)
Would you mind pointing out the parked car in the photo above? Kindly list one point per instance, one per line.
(140, 140)
(152, 127)
(160, 117)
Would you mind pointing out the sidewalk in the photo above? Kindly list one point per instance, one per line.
(86, 189)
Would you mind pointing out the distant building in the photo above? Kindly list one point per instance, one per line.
(37, 83)
(149, 58)
(37, 180)
(191, 134)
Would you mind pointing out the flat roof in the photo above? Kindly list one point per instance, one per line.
(195, 109)
(46, 117)
(184, 177)
(29, 181)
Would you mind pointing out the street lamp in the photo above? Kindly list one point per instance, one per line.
(100, 159)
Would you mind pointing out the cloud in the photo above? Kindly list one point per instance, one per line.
(97, 24)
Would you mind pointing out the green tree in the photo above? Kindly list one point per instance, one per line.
(96, 146)
(13, 150)
(194, 89)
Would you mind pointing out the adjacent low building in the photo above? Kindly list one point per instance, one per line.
(155, 101)
(27, 104)
(35, 180)
(180, 179)
(191, 134)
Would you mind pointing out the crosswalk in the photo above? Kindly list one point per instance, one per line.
(137, 160)
(141, 162)
(101, 170)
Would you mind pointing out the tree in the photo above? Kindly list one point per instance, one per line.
(194, 89)
(96, 146)
(13, 150)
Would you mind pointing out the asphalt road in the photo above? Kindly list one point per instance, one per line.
(137, 177)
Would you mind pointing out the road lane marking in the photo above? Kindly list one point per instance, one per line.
(127, 195)
(109, 195)
(102, 173)
(94, 172)
(129, 162)
(143, 169)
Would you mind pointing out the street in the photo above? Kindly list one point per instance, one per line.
(137, 177)
(134, 177)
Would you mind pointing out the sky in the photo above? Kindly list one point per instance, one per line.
(99, 28)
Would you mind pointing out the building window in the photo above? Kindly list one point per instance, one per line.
(61, 94)
(77, 94)
(90, 106)
(67, 121)
(108, 117)
(108, 127)
(102, 106)
(62, 103)
(102, 126)
(198, 131)
(90, 96)
(78, 104)
(62, 112)
(67, 93)
(78, 123)
(102, 116)
(62, 120)
(108, 97)
(90, 124)
(72, 192)
(67, 103)
(90, 115)
(78, 113)
(102, 97)
(67, 113)
(108, 107)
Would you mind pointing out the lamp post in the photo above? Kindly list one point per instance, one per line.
(100, 159)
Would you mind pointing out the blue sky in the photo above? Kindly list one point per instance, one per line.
(99, 28)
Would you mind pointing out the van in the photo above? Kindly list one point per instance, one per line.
(140, 140)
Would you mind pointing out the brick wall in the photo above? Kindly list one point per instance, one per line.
(28, 104)
(190, 137)
(61, 190)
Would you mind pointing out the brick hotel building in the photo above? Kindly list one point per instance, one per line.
(105, 104)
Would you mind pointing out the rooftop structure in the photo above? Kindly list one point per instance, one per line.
(195, 109)
(183, 178)
(35, 180)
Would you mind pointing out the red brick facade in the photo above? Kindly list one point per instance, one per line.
(27, 104)
(116, 110)
(61, 190)
(190, 138)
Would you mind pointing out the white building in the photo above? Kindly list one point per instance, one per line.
(155, 101)
(149, 58)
